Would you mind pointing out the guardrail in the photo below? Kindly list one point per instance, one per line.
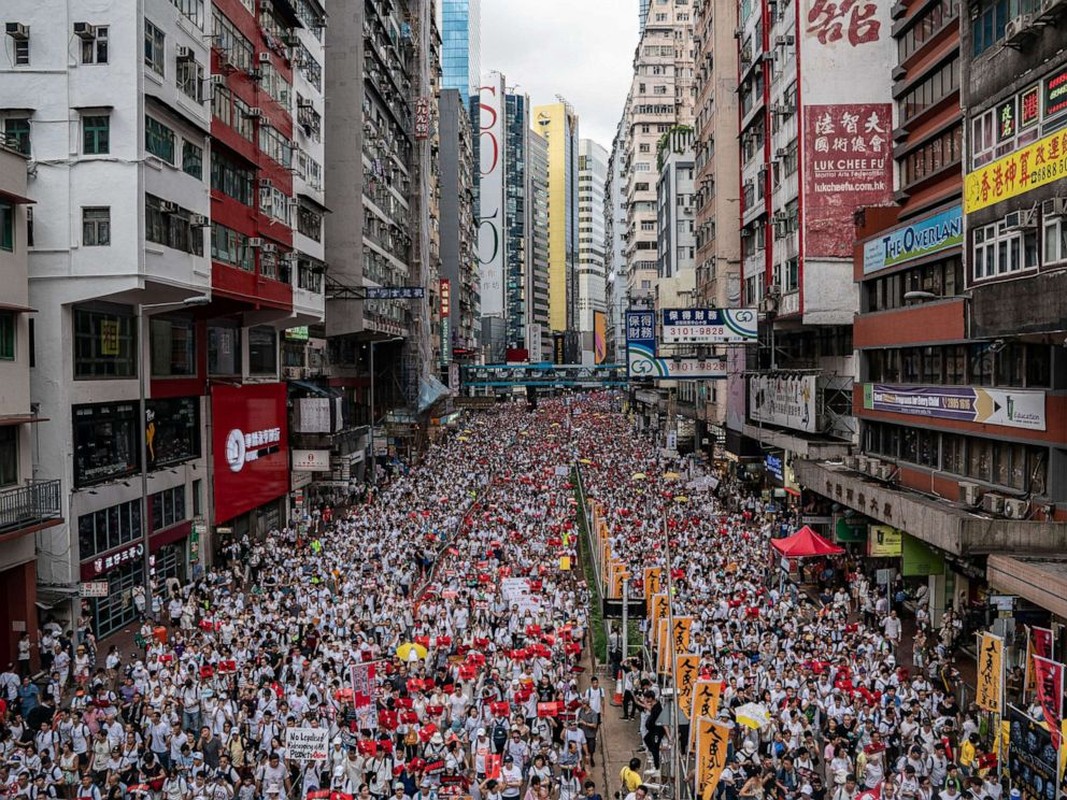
(30, 504)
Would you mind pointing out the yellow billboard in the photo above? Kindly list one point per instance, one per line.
(600, 336)
(1037, 164)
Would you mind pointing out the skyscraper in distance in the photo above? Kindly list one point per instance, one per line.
(461, 45)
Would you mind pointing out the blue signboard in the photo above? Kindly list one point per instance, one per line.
(773, 465)
(920, 238)
(641, 328)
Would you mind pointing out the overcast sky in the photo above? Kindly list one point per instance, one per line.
(581, 49)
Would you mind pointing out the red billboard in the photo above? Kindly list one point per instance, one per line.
(848, 164)
(250, 444)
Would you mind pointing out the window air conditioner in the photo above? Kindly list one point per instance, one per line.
(993, 503)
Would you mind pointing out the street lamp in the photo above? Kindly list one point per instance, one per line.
(918, 294)
(143, 366)
(373, 462)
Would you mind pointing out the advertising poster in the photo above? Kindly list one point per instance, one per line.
(884, 542)
(785, 400)
(491, 141)
(600, 337)
(250, 437)
(1011, 408)
(1032, 761)
(709, 325)
(849, 165)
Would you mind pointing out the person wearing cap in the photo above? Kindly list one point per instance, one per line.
(510, 779)
(399, 792)
(481, 749)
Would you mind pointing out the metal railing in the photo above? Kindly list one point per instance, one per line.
(30, 504)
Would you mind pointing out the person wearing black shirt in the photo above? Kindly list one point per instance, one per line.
(654, 730)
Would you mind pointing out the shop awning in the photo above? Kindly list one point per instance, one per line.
(805, 543)
(1040, 579)
(48, 597)
(18, 308)
(19, 419)
(17, 199)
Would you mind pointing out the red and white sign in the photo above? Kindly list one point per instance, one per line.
(422, 117)
(250, 436)
(446, 297)
(848, 165)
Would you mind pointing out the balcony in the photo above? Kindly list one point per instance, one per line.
(31, 505)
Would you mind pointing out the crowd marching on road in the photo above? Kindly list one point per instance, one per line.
(459, 585)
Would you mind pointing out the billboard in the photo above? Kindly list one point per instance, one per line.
(642, 363)
(1037, 164)
(846, 122)
(600, 337)
(783, 399)
(848, 165)
(915, 240)
(311, 460)
(885, 541)
(735, 388)
(491, 194)
(709, 325)
(1032, 759)
(250, 447)
(1012, 408)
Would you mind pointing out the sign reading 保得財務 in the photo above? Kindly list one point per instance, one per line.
(1010, 408)
(709, 325)
(921, 238)
(250, 444)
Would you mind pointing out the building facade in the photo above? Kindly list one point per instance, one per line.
(614, 252)
(558, 124)
(592, 241)
(461, 27)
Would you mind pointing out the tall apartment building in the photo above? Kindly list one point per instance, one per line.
(718, 244)
(816, 125)
(537, 279)
(161, 147)
(558, 124)
(459, 260)
(592, 306)
(30, 499)
(614, 253)
(661, 97)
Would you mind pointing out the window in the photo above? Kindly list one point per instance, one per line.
(7, 336)
(158, 139)
(168, 224)
(230, 247)
(262, 350)
(7, 226)
(242, 120)
(167, 508)
(932, 156)
(192, 10)
(189, 75)
(104, 342)
(223, 350)
(231, 44)
(106, 443)
(928, 24)
(173, 430)
(17, 132)
(154, 48)
(274, 145)
(937, 85)
(1054, 240)
(192, 159)
(309, 223)
(231, 177)
(988, 23)
(999, 249)
(198, 497)
(9, 455)
(222, 105)
(96, 226)
(173, 345)
(22, 52)
(94, 51)
(108, 529)
(96, 135)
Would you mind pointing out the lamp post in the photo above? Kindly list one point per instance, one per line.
(143, 366)
(373, 457)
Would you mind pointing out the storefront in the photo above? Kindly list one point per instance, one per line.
(250, 458)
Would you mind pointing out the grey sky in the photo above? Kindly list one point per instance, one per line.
(581, 49)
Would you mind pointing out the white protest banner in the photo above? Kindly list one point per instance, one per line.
(306, 744)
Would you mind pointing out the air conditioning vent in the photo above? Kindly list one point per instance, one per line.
(255, 241)
(1049, 8)
(850, 462)
(264, 58)
(1015, 508)
(781, 152)
(992, 503)
(873, 465)
(167, 207)
(886, 472)
(292, 373)
(1056, 207)
(784, 41)
(199, 220)
(218, 80)
(17, 31)
(1018, 29)
(970, 493)
(83, 30)
(269, 248)
(255, 112)
(1017, 220)
(185, 53)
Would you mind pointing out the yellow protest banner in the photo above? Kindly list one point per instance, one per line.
(653, 578)
(680, 633)
(616, 581)
(564, 563)
(712, 741)
(705, 704)
(685, 679)
(990, 677)
(1037, 164)
(663, 646)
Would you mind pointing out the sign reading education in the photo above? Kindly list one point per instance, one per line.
(915, 240)
(1007, 407)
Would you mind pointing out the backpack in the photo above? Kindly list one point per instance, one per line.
(500, 736)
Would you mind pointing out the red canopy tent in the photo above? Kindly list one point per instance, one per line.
(805, 543)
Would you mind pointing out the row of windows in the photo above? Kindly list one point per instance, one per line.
(1017, 466)
(230, 247)
(232, 112)
(1018, 365)
(169, 224)
(930, 22)
(943, 278)
(232, 177)
(991, 17)
(939, 84)
(931, 157)
(167, 508)
(232, 45)
(188, 73)
(108, 529)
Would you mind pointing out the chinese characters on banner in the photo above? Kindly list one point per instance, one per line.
(1038, 164)
(680, 633)
(1049, 679)
(847, 166)
(1038, 642)
(851, 21)
(712, 741)
(422, 117)
(988, 692)
(685, 678)
(363, 696)
(705, 704)
(653, 576)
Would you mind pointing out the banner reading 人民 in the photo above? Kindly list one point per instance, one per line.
(705, 704)
(713, 739)
(685, 678)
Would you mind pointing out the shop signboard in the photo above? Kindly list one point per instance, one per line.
(915, 240)
(851, 529)
(1010, 408)
(642, 363)
(919, 559)
(884, 541)
(772, 462)
(106, 562)
(250, 438)
(709, 325)
(94, 589)
(1038, 164)
(311, 460)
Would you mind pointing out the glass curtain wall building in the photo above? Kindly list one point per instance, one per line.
(461, 46)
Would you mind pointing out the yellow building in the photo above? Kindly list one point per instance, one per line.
(558, 123)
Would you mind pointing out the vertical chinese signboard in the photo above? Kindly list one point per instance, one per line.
(990, 676)
(491, 194)
(847, 51)
(445, 295)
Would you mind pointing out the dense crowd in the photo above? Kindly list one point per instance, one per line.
(454, 582)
